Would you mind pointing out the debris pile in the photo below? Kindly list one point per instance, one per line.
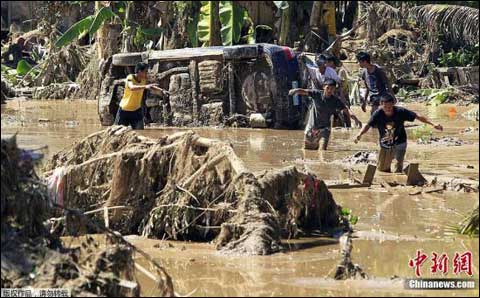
(469, 130)
(361, 157)
(7, 91)
(187, 187)
(33, 256)
(472, 114)
(442, 141)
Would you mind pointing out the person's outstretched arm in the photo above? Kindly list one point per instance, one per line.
(299, 91)
(351, 115)
(425, 120)
(361, 133)
(134, 87)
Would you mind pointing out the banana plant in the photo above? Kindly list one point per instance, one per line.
(208, 29)
(231, 17)
(88, 25)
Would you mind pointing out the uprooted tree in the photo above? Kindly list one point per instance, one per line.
(187, 187)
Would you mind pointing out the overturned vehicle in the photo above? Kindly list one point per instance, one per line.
(244, 85)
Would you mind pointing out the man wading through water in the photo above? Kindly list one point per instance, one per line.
(130, 111)
(376, 82)
(389, 119)
(324, 105)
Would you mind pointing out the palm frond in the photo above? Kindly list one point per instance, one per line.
(454, 21)
(380, 17)
(469, 225)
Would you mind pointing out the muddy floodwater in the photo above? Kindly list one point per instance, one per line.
(392, 224)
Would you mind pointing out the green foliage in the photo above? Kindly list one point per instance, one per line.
(232, 18)
(9, 74)
(204, 23)
(23, 67)
(143, 36)
(439, 97)
(468, 226)
(353, 219)
(462, 57)
(89, 25)
(78, 30)
(423, 132)
(102, 15)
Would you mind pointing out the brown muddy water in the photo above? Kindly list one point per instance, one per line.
(392, 224)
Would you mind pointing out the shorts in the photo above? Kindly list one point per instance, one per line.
(132, 118)
(386, 156)
(374, 102)
(315, 136)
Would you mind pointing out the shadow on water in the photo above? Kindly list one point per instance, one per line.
(311, 243)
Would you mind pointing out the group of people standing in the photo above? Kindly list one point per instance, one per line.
(328, 97)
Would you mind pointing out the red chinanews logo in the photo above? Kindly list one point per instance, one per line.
(461, 263)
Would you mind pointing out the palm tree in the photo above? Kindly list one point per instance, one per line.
(455, 22)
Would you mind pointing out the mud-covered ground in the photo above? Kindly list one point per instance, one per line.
(392, 225)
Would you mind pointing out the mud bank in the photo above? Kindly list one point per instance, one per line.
(32, 253)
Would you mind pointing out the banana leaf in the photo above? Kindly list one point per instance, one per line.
(232, 18)
(78, 30)
(102, 15)
(23, 67)
(205, 22)
(439, 97)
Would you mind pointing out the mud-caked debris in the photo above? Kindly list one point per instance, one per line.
(442, 141)
(34, 256)
(361, 157)
(185, 187)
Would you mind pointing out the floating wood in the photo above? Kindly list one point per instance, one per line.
(347, 186)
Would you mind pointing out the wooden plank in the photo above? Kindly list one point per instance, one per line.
(369, 174)
(347, 186)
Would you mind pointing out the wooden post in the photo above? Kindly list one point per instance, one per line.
(414, 177)
(231, 88)
(369, 174)
(194, 82)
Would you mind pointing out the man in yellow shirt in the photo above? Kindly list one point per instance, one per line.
(130, 111)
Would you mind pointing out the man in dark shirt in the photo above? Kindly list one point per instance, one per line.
(389, 120)
(324, 105)
(376, 82)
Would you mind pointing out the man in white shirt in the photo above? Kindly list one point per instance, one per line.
(320, 72)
